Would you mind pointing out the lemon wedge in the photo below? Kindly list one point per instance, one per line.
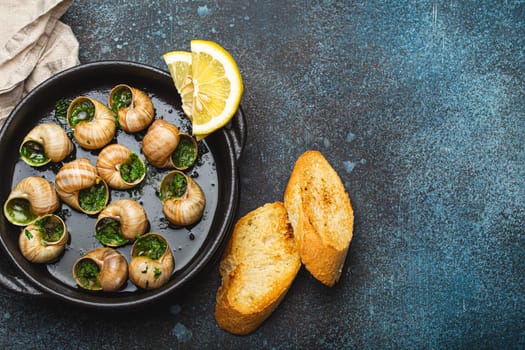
(209, 83)
(217, 86)
(179, 66)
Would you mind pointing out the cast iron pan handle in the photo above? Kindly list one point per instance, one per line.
(17, 284)
(237, 131)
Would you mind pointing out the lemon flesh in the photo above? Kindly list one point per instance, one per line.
(179, 66)
(217, 86)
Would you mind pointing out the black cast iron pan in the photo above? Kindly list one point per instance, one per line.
(193, 247)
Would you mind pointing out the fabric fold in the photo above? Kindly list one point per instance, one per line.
(34, 45)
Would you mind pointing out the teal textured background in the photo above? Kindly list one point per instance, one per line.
(419, 106)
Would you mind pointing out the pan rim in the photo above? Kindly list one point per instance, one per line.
(201, 259)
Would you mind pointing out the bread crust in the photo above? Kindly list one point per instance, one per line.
(240, 306)
(315, 194)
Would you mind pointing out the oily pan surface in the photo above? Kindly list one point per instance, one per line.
(211, 171)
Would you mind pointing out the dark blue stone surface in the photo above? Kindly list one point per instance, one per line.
(419, 106)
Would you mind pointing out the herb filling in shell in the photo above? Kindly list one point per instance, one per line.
(121, 99)
(133, 169)
(175, 188)
(61, 107)
(83, 111)
(51, 228)
(87, 272)
(19, 209)
(150, 246)
(108, 233)
(185, 154)
(34, 152)
(93, 198)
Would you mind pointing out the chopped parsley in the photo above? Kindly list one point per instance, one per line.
(93, 199)
(87, 272)
(51, 228)
(150, 246)
(61, 107)
(19, 210)
(121, 98)
(34, 153)
(28, 234)
(83, 111)
(108, 233)
(156, 273)
(133, 169)
(175, 188)
(185, 154)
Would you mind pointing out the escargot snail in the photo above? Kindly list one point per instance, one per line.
(166, 147)
(120, 167)
(45, 143)
(79, 185)
(159, 143)
(103, 269)
(151, 261)
(43, 240)
(183, 200)
(133, 107)
(32, 197)
(120, 222)
(92, 122)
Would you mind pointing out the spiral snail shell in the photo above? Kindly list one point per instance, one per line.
(43, 240)
(159, 143)
(151, 263)
(92, 122)
(183, 200)
(120, 222)
(32, 197)
(79, 185)
(133, 107)
(103, 269)
(45, 143)
(120, 167)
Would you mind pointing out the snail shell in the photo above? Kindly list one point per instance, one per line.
(43, 240)
(92, 133)
(32, 197)
(159, 143)
(76, 176)
(183, 206)
(101, 269)
(136, 115)
(45, 143)
(113, 160)
(147, 271)
(130, 217)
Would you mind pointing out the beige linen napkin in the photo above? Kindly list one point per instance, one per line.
(34, 45)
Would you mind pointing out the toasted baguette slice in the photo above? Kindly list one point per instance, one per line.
(321, 215)
(257, 269)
